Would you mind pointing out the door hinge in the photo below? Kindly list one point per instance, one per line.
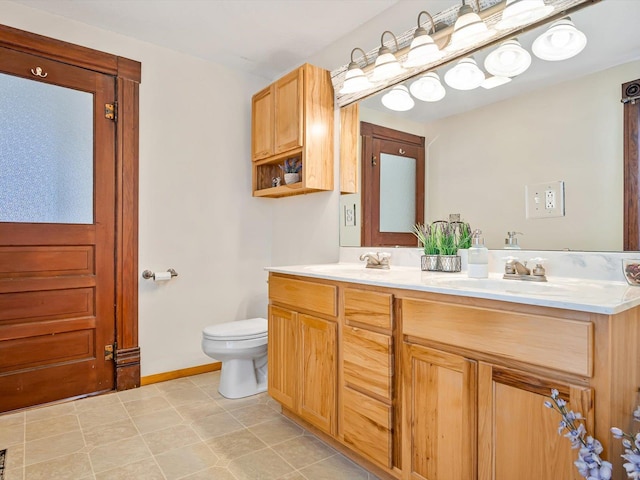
(373, 160)
(109, 352)
(111, 111)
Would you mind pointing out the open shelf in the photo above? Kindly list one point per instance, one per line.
(281, 191)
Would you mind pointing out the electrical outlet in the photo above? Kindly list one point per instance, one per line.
(544, 200)
(549, 199)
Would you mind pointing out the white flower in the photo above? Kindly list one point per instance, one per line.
(617, 433)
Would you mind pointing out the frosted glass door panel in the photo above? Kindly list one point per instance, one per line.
(397, 193)
(46, 153)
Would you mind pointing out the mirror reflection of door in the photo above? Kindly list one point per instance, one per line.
(57, 231)
(392, 185)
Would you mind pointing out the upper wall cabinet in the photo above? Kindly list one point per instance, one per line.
(293, 119)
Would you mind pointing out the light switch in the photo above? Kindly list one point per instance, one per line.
(544, 200)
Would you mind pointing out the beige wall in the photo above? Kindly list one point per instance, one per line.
(196, 210)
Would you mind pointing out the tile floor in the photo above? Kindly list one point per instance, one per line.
(181, 429)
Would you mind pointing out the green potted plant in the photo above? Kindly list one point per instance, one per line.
(291, 169)
(447, 246)
(427, 237)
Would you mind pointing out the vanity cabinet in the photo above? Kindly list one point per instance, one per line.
(366, 419)
(302, 349)
(293, 119)
(418, 385)
(475, 393)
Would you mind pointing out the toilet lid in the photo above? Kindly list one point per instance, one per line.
(241, 329)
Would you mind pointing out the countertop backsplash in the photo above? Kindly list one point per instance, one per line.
(602, 266)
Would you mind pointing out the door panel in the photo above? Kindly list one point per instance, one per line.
(57, 289)
(319, 369)
(385, 153)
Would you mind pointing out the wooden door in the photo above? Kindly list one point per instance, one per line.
(518, 435)
(262, 124)
(57, 278)
(385, 154)
(440, 410)
(319, 372)
(283, 356)
(288, 96)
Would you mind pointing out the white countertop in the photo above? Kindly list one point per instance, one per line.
(594, 296)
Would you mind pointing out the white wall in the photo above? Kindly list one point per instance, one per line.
(197, 214)
(478, 163)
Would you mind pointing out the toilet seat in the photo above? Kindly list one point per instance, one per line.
(253, 328)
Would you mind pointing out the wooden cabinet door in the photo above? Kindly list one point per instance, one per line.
(319, 365)
(262, 112)
(439, 440)
(518, 435)
(283, 356)
(288, 104)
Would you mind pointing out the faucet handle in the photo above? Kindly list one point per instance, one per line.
(538, 270)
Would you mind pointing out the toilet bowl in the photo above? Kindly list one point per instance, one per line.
(241, 346)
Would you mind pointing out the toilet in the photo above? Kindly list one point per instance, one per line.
(241, 346)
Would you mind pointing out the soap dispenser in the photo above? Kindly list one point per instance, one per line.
(511, 242)
(478, 262)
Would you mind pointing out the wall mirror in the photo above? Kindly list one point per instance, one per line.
(558, 121)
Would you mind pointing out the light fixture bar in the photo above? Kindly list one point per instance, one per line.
(565, 7)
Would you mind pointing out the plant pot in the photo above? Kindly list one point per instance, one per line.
(430, 263)
(291, 178)
(450, 263)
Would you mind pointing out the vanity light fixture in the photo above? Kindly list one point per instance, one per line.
(521, 12)
(423, 49)
(355, 80)
(468, 29)
(465, 75)
(398, 99)
(508, 60)
(494, 81)
(560, 41)
(387, 65)
(428, 88)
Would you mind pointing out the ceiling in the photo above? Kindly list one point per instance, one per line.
(270, 37)
(262, 37)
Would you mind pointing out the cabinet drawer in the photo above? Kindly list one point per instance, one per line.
(367, 360)
(546, 341)
(369, 308)
(316, 297)
(366, 426)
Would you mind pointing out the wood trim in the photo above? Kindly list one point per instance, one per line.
(182, 373)
(631, 166)
(349, 140)
(58, 50)
(385, 133)
(127, 74)
(127, 171)
(129, 70)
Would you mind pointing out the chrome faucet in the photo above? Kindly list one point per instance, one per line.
(376, 260)
(514, 270)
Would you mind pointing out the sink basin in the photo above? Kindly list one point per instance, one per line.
(504, 286)
(337, 268)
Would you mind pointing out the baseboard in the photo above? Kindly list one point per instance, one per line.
(184, 372)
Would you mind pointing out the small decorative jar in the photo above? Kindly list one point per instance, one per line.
(450, 263)
(291, 178)
(430, 263)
